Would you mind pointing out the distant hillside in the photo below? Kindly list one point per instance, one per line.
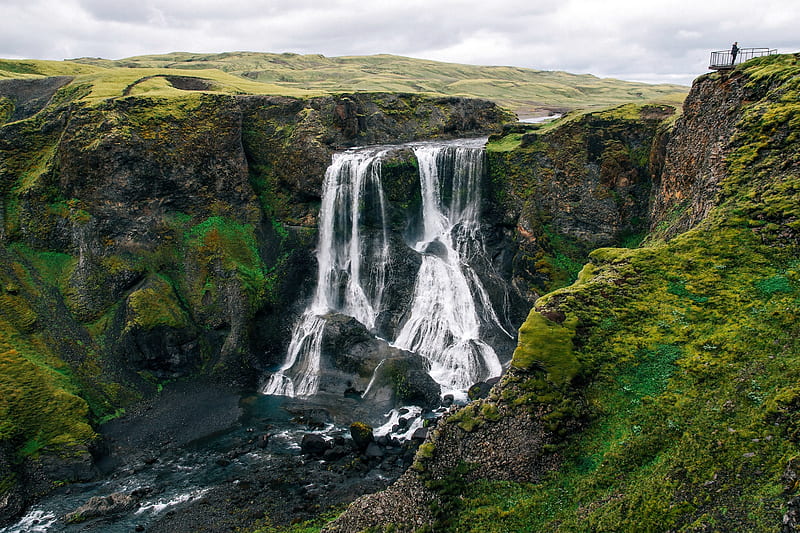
(525, 91)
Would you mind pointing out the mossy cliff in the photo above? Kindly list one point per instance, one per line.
(573, 185)
(659, 392)
(157, 229)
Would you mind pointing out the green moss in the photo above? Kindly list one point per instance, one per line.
(6, 109)
(475, 415)
(37, 411)
(506, 143)
(230, 246)
(314, 525)
(547, 346)
(156, 305)
(425, 451)
(685, 399)
(54, 267)
(770, 286)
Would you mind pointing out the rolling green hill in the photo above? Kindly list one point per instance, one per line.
(525, 91)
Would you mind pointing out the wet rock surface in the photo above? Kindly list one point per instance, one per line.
(104, 506)
(510, 446)
(249, 465)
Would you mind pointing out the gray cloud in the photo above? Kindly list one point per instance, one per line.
(656, 41)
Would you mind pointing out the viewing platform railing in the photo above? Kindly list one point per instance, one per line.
(724, 60)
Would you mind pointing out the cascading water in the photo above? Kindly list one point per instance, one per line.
(450, 304)
(343, 253)
(450, 309)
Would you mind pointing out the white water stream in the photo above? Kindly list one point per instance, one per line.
(342, 253)
(444, 324)
(450, 309)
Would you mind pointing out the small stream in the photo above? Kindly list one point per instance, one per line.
(260, 443)
(179, 475)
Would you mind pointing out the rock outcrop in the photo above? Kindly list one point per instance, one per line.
(567, 189)
(687, 187)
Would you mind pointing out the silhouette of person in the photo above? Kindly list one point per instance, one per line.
(734, 52)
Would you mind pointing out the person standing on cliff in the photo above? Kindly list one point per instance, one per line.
(734, 52)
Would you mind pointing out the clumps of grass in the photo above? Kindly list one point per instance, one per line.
(424, 454)
(474, 415)
(314, 525)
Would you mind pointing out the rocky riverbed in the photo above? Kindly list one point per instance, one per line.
(202, 457)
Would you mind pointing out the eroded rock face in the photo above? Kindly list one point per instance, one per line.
(588, 180)
(573, 188)
(28, 96)
(175, 236)
(687, 186)
(141, 176)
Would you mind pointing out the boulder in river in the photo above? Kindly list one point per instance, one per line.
(102, 506)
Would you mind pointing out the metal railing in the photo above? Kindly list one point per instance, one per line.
(723, 59)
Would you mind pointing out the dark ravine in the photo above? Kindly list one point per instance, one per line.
(196, 272)
(149, 240)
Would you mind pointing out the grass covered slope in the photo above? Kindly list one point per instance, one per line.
(685, 359)
(522, 90)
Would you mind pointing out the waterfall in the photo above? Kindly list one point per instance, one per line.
(450, 304)
(450, 308)
(352, 266)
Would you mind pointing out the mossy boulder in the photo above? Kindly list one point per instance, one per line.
(362, 434)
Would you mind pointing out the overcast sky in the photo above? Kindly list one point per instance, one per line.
(641, 40)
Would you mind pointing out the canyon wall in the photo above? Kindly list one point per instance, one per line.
(147, 239)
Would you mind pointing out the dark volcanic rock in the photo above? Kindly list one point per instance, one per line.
(479, 390)
(404, 381)
(29, 96)
(399, 290)
(694, 160)
(362, 435)
(352, 358)
(374, 451)
(314, 444)
(103, 506)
